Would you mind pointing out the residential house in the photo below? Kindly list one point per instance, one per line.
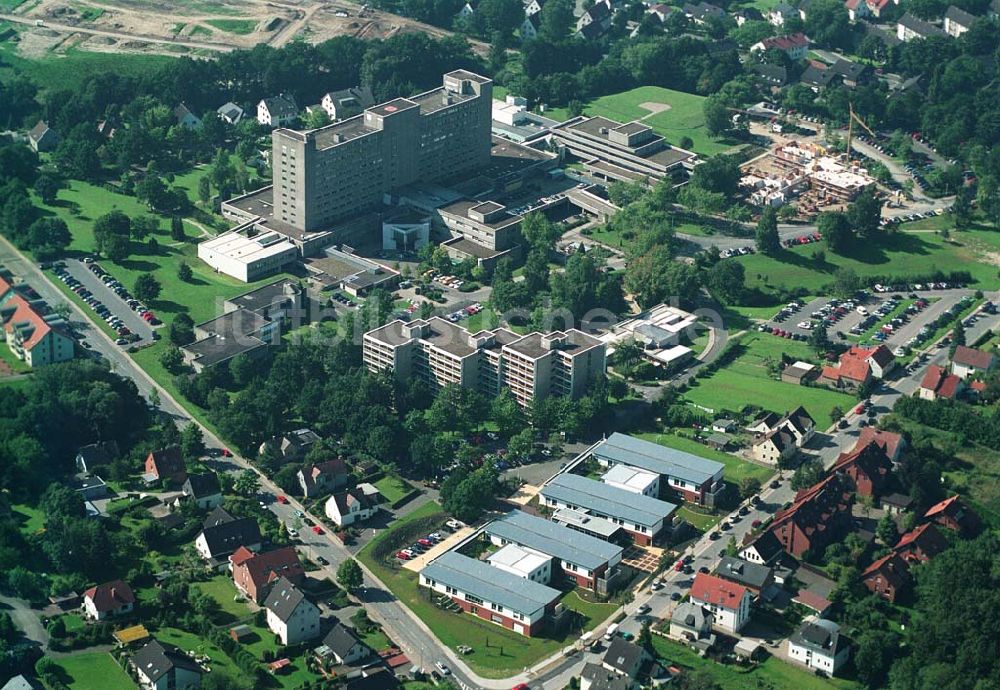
(661, 11)
(742, 15)
(777, 15)
(34, 336)
(969, 362)
(290, 615)
(773, 446)
(599, 14)
(765, 423)
(692, 624)
(108, 600)
(819, 645)
(92, 457)
(795, 46)
(909, 28)
(492, 594)
(858, 366)
(796, 372)
(755, 577)
(889, 441)
(165, 464)
(293, 445)
(347, 507)
(530, 27)
(953, 514)
(877, 7)
(920, 544)
(223, 534)
(868, 467)
(22, 682)
(88, 485)
(804, 8)
(160, 666)
(230, 113)
(724, 426)
(728, 601)
(887, 577)
(465, 12)
(277, 111)
(532, 7)
(43, 138)
(204, 489)
(895, 503)
(185, 118)
(625, 658)
(764, 550)
(818, 517)
(857, 9)
(957, 21)
(342, 646)
(254, 573)
(322, 478)
(345, 103)
(800, 424)
(596, 677)
(703, 12)
(938, 383)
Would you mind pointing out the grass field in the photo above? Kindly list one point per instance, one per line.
(736, 469)
(222, 589)
(93, 670)
(747, 381)
(699, 521)
(684, 118)
(392, 488)
(900, 253)
(234, 26)
(8, 5)
(498, 652)
(16, 365)
(30, 519)
(68, 70)
(772, 674)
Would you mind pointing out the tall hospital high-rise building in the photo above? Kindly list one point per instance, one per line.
(327, 175)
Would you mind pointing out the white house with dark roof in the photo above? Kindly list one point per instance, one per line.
(43, 138)
(496, 596)
(230, 113)
(185, 118)
(819, 645)
(909, 28)
(160, 666)
(692, 624)
(277, 111)
(222, 534)
(957, 21)
(342, 646)
(347, 507)
(204, 489)
(290, 615)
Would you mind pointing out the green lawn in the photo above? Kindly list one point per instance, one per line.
(222, 589)
(68, 70)
(376, 639)
(698, 520)
(772, 674)
(498, 652)
(685, 118)
(747, 380)
(736, 469)
(392, 488)
(31, 519)
(16, 365)
(234, 26)
(895, 254)
(9, 5)
(93, 670)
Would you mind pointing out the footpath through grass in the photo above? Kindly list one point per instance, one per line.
(497, 652)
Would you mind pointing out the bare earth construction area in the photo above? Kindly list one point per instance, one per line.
(191, 27)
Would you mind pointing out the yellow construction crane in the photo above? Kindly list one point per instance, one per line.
(850, 128)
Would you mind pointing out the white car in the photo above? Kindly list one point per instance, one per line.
(442, 668)
(644, 609)
(805, 325)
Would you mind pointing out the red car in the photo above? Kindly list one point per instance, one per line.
(859, 409)
(282, 499)
(425, 542)
(317, 529)
(226, 453)
(521, 686)
(679, 566)
(402, 556)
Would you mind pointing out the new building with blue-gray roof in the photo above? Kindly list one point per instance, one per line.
(582, 558)
(693, 478)
(492, 594)
(643, 517)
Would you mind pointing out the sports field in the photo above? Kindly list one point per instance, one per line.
(673, 114)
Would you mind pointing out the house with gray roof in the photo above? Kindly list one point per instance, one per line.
(342, 646)
(642, 517)
(819, 645)
(277, 111)
(909, 28)
(692, 624)
(694, 478)
(43, 138)
(160, 666)
(22, 682)
(290, 615)
(596, 677)
(492, 594)
(223, 534)
(957, 21)
(754, 576)
(583, 559)
(625, 658)
(230, 113)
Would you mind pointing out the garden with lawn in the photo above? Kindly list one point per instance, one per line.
(393, 488)
(91, 670)
(899, 254)
(223, 591)
(497, 652)
(672, 114)
(747, 380)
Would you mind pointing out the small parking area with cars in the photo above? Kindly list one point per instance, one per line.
(111, 301)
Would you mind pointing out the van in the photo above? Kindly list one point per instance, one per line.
(612, 631)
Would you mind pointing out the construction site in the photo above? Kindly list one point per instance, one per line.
(193, 27)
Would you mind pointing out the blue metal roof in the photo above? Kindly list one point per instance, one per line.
(628, 450)
(575, 490)
(554, 539)
(491, 584)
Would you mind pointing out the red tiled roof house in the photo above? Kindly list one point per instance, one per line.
(166, 463)
(969, 362)
(868, 468)
(887, 577)
(954, 515)
(728, 601)
(819, 516)
(255, 573)
(921, 544)
(108, 600)
(938, 383)
(858, 366)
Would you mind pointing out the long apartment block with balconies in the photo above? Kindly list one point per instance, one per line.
(532, 366)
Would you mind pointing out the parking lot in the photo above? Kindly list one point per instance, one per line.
(108, 299)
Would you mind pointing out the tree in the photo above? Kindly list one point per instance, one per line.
(886, 531)
(818, 338)
(349, 575)
(836, 412)
(315, 119)
(768, 241)
(146, 287)
(142, 227)
(111, 235)
(507, 414)
(749, 486)
(47, 237)
(732, 548)
(961, 210)
(522, 443)
(172, 359)
(247, 483)
(177, 229)
(467, 496)
(60, 501)
(540, 232)
(808, 473)
(184, 272)
(845, 283)
(556, 20)
(717, 118)
(47, 186)
(192, 442)
(181, 331)
(719, 174)
(828, 24)
(865, 213)
(726, 281)
(836, 231)
(645, 639)
(988, 197)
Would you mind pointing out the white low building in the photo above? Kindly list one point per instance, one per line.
(633, 479)
(819, 645)
(522, 562)
(248, 258)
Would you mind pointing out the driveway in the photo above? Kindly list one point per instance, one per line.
(25, 619)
